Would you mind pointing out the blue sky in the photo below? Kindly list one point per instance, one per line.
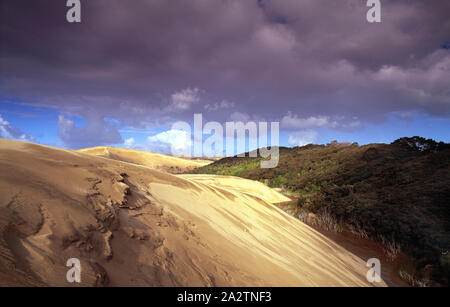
(40, 124)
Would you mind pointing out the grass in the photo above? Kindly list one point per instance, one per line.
(323, 219)
(391, 247)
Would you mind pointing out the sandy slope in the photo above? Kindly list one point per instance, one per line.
(164, 163)
(240, 185)
(131, 225)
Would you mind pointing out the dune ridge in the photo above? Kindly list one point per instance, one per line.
(132, 225)
(166, 163)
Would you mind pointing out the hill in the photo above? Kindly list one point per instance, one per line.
(131, 225)
(165, 163)
(395, 193)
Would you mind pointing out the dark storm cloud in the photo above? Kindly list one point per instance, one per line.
(315, 59)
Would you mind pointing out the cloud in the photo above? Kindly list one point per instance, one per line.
(292, 121)
(183, 100)
(240, 117)
(176, 142)
(96, 133)
(425, 85)
(276, 38)
(224, 104)
(9, 132)
(137, 62)
(129, 142)
(245, 117)
(302, 138)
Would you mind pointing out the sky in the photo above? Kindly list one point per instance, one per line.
(131, 69)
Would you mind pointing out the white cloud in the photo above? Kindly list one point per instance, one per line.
(292, 121)
(301, 138)
(177, 142)
(4, 129)
(9, 132)
(184, 99)
(129, 142)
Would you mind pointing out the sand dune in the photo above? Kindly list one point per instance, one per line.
(240, 185)
(170, 164)
(132, 225)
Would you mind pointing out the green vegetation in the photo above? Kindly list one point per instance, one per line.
(228, 167)
(398, 191)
